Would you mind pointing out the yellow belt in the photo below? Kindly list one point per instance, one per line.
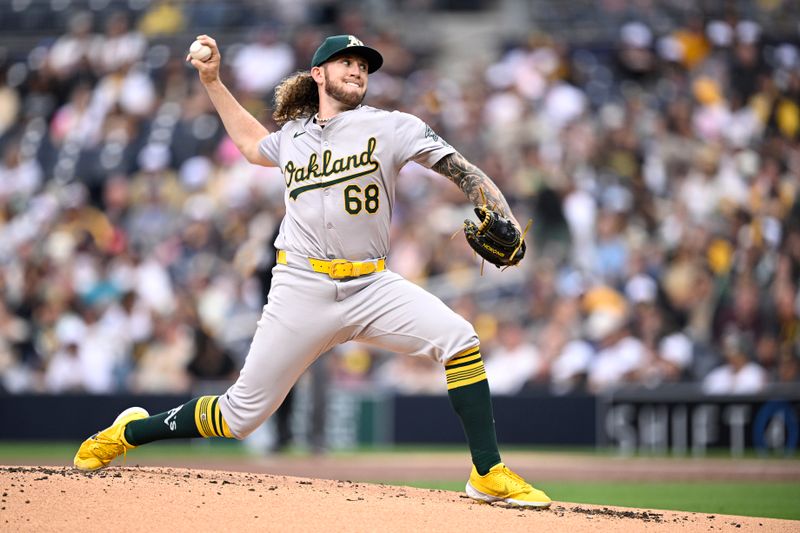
(340, 268)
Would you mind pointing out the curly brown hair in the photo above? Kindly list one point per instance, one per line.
(295, 97)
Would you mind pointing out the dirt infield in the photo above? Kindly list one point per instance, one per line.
(453, 466)
(44, 498)
(538, 467)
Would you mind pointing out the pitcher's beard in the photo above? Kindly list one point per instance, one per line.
(338, 91)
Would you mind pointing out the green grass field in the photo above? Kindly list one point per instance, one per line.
(769, 500)
(766, 499)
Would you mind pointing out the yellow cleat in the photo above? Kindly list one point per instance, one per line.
(502, 485)
(101, 448)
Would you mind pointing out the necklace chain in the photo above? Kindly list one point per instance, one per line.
(320, 120)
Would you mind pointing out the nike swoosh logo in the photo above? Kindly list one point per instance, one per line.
(298, 134)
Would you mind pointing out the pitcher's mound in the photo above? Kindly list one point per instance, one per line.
(36, 498)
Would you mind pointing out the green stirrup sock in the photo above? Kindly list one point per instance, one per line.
(468, 390)
(199, 417)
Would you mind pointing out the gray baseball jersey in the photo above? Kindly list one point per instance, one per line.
(340, 183)
(340, 179)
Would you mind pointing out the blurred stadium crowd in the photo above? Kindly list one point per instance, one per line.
(661, 170)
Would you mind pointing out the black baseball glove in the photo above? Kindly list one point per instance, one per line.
(496, 239)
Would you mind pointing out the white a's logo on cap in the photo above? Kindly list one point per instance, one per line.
(352, 40)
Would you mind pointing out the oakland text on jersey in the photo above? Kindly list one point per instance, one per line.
(330, 167)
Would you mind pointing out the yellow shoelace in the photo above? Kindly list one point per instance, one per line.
(520, 484)
(108, 449)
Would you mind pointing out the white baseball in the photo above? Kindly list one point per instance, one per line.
(199, 51)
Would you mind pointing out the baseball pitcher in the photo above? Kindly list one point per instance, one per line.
(340, 161)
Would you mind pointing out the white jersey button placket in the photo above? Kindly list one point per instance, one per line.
(327, 192)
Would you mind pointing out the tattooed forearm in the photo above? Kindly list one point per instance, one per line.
(478, 187)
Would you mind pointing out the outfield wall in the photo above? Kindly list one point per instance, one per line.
(679, 421)
(676, 421)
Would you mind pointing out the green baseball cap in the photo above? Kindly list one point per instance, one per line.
(339, 43)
